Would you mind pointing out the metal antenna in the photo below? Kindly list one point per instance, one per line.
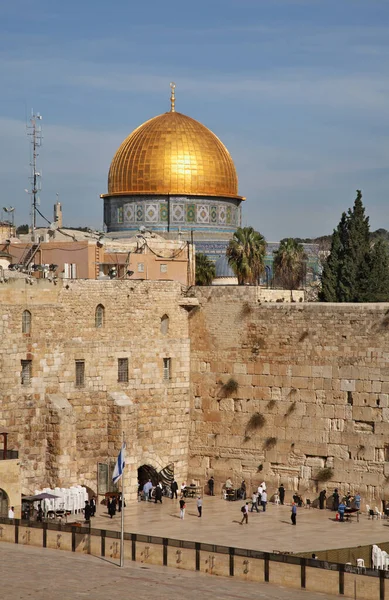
(34, 130)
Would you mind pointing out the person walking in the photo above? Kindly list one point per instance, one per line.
(211, 486)
(158, 494)
(87, 511)
(199, 505)
(281, 492)
(174, 488)
(92, 504)
(245, 513)
(264, 500)
(243, 490)
(293, 513)
(322, 499)
(335, 502)
(182, 508)
(254, 501)
(148, 486)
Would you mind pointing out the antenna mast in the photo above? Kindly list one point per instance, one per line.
(34, 130)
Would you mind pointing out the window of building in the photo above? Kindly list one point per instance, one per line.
(80, 373)
(141, 267)
(167, 363)
(163, 268)
(26, 372)
(165, 324)
(99, 316)
(123, 370)
(26, 322)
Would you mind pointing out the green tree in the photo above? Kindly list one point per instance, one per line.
(355, 270)
(375, 281)
(290, 264)
(245, 253)
(330, 276)
(205, 270)
(22, 229)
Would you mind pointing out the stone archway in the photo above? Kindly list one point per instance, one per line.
(4, 503)
(146, 472)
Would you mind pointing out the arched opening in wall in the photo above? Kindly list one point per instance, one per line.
(99, 316)
(26, 322)
(146, 472)
(91, 493)
(4, 503)
(164, 324)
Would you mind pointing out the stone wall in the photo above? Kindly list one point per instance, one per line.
(282, 392)
(62, 431)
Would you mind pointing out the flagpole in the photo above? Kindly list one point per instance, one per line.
(122, 518)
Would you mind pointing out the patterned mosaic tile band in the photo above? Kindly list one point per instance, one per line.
(183, 211)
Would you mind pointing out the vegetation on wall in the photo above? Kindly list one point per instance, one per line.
(230, 387)
(325, 474)
(269, 443)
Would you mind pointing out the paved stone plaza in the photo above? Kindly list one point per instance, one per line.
(31, 573)
(316, 529)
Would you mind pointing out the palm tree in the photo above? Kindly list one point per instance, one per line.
(289, 263)
(205, 270)
(245, 253)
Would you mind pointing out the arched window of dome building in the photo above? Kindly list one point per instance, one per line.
(99, 316)
(164, 324)
(26, 322)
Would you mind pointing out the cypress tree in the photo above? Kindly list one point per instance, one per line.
(354, 271)
(377, 288)
(329, 280)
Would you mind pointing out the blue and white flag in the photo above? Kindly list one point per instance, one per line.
(120, 463)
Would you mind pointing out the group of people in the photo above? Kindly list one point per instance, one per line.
(114, 503)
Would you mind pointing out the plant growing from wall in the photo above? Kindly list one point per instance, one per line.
(256, 421)
(325, 474)
(271, 404)
(269, 443)
(230, 387)
(291, 409)
(246, 309)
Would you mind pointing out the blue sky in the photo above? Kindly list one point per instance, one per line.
(298, 90)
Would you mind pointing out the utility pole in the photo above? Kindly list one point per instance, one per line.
(34, 130)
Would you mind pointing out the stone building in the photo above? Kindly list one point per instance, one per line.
(173, 175)
(81, 361)
(204, 381)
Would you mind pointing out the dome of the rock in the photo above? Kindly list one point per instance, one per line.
(174, 176)
(173, 154)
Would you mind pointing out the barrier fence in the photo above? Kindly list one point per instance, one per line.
(252, 565)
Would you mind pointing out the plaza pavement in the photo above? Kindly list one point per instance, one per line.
(42, 574)
(316, 529)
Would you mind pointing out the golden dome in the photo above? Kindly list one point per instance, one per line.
(173, 154)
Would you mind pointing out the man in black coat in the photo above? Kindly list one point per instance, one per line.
(211, 485)
(174, 488)
(158, 494)
(322, 498)
(281, 491)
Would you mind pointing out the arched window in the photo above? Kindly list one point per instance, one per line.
(165, 324)
(99, 316)
(26, 322)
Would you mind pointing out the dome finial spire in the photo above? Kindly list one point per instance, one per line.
(173, 97)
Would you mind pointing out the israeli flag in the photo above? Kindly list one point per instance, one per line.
(120, 463)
